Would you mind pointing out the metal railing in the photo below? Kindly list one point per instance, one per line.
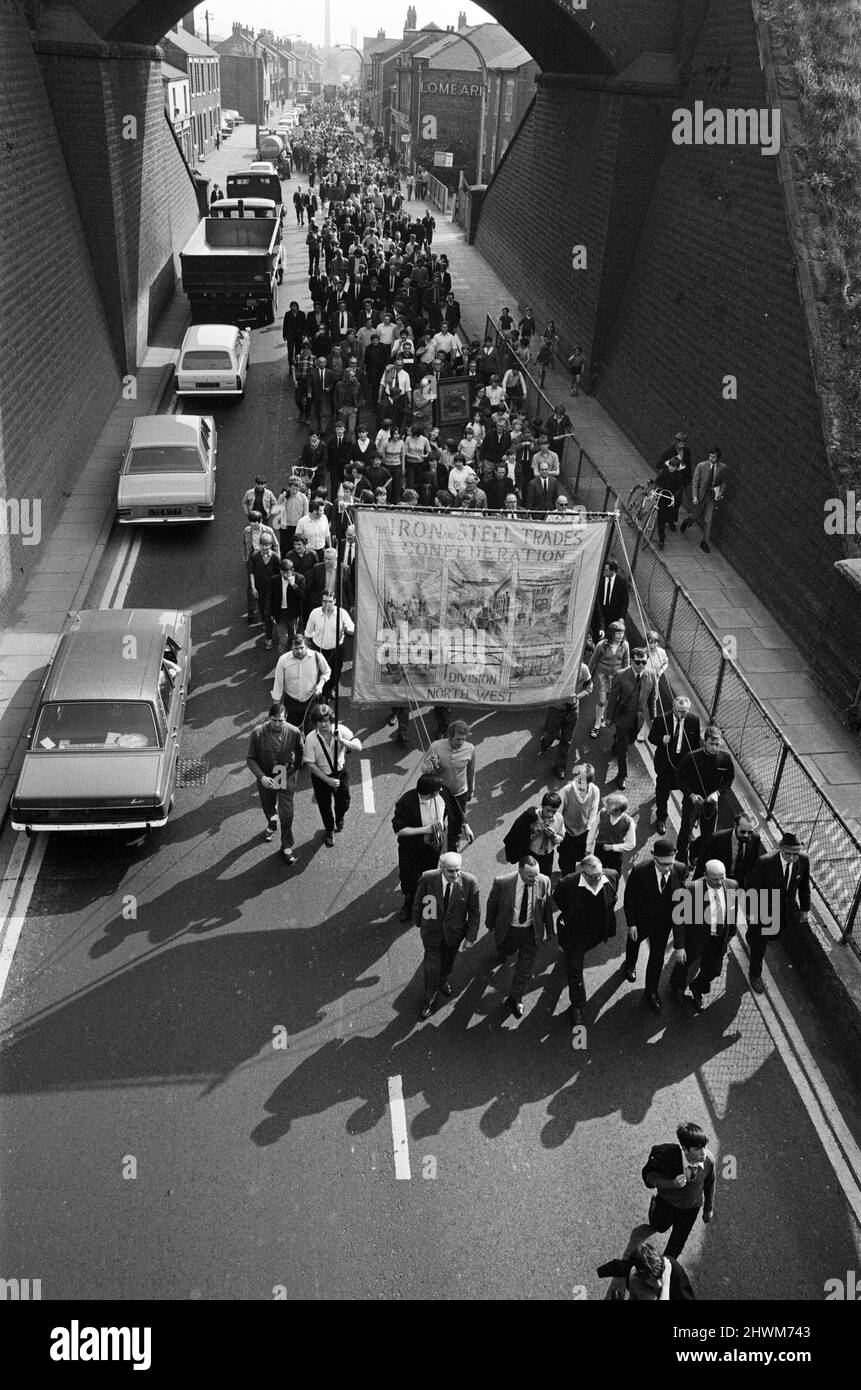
(790, 797)
(439, 194)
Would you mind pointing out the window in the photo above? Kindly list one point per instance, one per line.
(102, 724)
(509, 98)
(170, 458)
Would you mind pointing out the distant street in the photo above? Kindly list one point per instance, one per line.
(233, 1026)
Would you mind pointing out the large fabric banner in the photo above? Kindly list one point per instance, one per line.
(459, 609)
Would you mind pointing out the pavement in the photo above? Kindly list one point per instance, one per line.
(213, 1081)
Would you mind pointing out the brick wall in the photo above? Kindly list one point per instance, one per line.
(133, 188)
(58, 374)
(713, 292)
(691, 278)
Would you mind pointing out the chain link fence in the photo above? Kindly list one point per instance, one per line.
(790, 797)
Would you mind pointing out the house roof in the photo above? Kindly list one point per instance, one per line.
(196, 48)
(490, 39)
(515, 57)
(171, 74)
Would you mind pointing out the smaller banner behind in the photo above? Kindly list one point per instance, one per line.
(454, 609)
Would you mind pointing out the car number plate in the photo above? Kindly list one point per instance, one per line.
(164, 511)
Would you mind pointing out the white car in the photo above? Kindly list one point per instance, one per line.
(262, 166)
(168, 472)
(213, 360)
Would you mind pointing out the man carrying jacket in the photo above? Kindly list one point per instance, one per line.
(683, 1175)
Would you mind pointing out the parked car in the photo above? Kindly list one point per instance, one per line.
(168, 471)
(103, 751)
(213, 360)
(262, 166)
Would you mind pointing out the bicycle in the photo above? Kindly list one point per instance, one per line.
(644, 499)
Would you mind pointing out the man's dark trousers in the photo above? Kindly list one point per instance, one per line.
(574, 959)
(279, 800)
(657, 937)
(710, 964)
(624, 737)
(707, 823)
(334, 802)
(438, 965)
(662, 1216)
(521, 940)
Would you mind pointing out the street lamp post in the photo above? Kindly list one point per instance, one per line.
(361, 57)
(479, 171)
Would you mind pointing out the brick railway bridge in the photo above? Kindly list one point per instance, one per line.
(698, 266)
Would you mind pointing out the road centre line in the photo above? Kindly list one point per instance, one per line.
(400, 1139)
(367, 786)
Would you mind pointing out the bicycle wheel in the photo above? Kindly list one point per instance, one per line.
(636, 500)
(649, 522)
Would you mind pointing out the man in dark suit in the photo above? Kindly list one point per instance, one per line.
(633, 695)
(648, 906)
(293, 330)
(347, 553)
(339, 451)
(705, 776)
(288, 600)
(738, 849)
(785, 877)
(587, 903)
(451, 313)
(707, 914)
(496, 442)
(684, 1176)
(520, 915)
(557, 427)
(341, 321)
(541, 493)
(447, 911)
(611, 604)
(321, 379)
(674, 733)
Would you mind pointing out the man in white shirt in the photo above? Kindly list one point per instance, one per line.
(705, 922)
(459, 476)
(387, 330)
(299, 679)
(314, 528)
(321, 633)
(544, 454)
(325, 754)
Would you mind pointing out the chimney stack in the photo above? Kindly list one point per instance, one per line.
(411, 19)
(461, 20)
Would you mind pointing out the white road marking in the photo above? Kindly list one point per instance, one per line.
(367, 786)
(125, 581)
(22, 872)
(17, 890)
(399, 1128)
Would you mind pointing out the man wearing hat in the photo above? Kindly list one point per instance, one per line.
(649, 903)
(785, 874)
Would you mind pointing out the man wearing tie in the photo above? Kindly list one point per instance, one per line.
(707, 489)
(446, 910)
(613, 599)
(674, 734)
(320, 380)
(786, 875)
(541, 493)
(648, 907)
(737, 849)
(712, 911)
(520, 915)
(632, 694)
(341, 321)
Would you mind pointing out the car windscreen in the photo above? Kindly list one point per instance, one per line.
(105, 725)
(206, 360)
(164, 458)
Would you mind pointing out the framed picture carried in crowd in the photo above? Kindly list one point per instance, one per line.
(453, 402)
